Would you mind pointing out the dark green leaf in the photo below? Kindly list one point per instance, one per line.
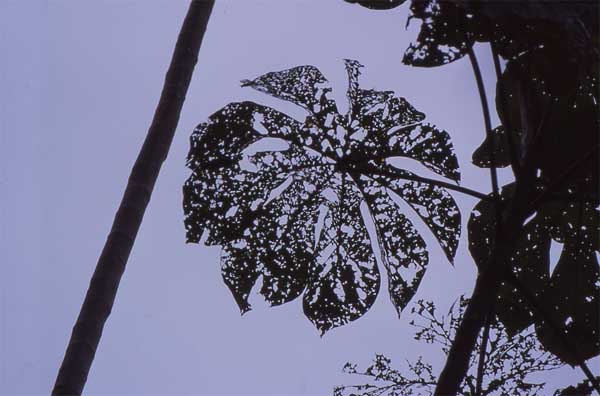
(434, 205)
(554, 116)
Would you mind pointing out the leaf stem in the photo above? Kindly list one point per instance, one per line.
(497, 209)
(487, 123)
(427, 180)
(367, 169)
(480, 307)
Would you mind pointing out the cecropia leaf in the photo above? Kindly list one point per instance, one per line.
(291, 202)
(345, 277)
(403, 250)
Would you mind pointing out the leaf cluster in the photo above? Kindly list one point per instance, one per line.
(509, 360)
(547, 99)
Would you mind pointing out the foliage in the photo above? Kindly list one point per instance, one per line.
(509, 360)
(547, 99)
(292, 201)
(553, 119)
(584, 388)
(450, 28)
(299, 217)
(571, 289)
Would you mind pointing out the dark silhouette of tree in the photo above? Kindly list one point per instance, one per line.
(547, 98)
(111, 264)
(509, 360)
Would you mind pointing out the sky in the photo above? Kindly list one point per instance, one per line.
(79, 83)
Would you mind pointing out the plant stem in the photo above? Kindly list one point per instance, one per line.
(488, 127)
(102, 291)
(486, 286)
(482, 353)
(497, 210)
(405, 176)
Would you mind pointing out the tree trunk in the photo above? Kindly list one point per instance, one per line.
(102, 291)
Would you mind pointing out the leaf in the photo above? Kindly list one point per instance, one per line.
(374, 111)
(302, 85)
(433, 204)
(450, 28)
(403, 250)
(554, 115)
(518, 27)
(291, 202)
(378, 4)
(531, 266)
(571, 294)
(446, 33)
(529, 262)
(345, 278)
(500, 144)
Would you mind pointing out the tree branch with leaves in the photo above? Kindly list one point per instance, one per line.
(509, 360)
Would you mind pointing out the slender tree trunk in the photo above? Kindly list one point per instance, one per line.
(102, 291)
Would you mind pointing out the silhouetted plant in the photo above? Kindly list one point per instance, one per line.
(298, 216)
(290, 201)
(547, 99)
(509, 360)
(584, 388)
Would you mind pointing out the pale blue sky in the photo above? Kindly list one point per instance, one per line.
(79, 82)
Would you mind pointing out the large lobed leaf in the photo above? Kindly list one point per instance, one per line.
(292, 202)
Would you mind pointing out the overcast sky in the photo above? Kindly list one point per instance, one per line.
(79, 82)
